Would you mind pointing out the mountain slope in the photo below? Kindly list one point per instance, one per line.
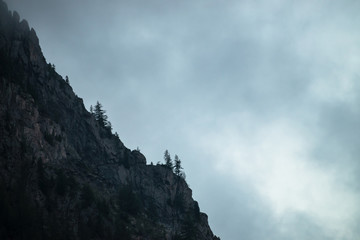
(62, 174)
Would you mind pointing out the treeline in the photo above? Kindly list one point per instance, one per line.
(100, 116)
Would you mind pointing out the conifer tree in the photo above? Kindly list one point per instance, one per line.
(177, 167)
(167, 158)
(100, 116)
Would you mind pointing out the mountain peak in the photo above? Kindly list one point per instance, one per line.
(65, 176)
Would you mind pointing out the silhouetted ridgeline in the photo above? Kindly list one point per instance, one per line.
(62, 174)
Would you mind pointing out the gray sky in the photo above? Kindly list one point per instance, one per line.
(260, 100)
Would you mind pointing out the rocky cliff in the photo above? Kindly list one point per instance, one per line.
(62, 174)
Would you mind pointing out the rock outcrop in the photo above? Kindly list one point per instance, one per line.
(63, 175)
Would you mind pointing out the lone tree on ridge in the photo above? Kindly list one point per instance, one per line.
(168, 161)
(177, 167)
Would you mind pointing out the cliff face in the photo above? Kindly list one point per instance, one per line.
(64, 176)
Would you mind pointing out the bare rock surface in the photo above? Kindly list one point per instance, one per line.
(64, 176)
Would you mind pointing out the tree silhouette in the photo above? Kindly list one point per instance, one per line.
(177, 167)
(168, 161)
(100, 116)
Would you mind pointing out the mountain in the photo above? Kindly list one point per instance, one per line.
(63, 174)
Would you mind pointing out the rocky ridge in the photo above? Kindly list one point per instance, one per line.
(64, 176)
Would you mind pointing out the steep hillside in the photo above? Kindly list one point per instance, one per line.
(65, 176)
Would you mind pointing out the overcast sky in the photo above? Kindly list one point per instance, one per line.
(260, 100)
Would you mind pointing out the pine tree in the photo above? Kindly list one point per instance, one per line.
(168, 161)
(177, 167)
(100, 115)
